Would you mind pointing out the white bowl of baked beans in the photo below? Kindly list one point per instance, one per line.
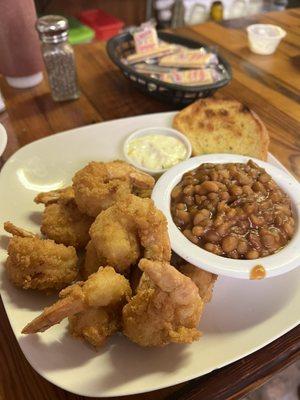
(232, 215)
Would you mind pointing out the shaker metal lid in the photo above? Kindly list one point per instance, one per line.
(52, 28)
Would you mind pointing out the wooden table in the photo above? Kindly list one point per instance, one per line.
(270, 85)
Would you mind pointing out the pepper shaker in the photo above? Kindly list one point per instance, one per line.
(59, 57)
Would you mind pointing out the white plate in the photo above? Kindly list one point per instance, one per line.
(242, 317)
(3, 139)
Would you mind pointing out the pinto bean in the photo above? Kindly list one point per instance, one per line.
(212, 196)
(236, 190)
(212, 236)
(213, 248)
(176, 192)
(252, 254)
(180, 206)
(184, 216)
(269, 241)
(189, 235)
(264, 178)
(208, 187)
(242, 247)
(229, 243)
(201, 215)
(224, 196)
(288, 228)
(198, 230)
(188, 190)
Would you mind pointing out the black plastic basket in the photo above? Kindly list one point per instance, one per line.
(120, 46)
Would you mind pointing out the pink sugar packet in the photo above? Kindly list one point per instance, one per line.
(190, 77)
(189, 59)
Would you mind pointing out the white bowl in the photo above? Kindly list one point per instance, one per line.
(285, 260)
(156, 130)
(264, 38)
(3, 139)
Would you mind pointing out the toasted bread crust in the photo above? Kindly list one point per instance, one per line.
(264, 137)
(228, 120)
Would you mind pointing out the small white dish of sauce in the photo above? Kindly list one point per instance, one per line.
(264, 38)
(155, 150)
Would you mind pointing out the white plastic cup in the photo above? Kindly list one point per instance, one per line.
(264, 38)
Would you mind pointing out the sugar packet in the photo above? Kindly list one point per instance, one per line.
(145, 38)
(189, 59)
(160, 51)
(190, 77)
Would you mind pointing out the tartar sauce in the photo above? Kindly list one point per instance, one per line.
(156, 151)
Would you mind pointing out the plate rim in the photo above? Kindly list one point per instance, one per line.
(73, 131)
(130, 393)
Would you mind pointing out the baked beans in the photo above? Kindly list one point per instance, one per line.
(234, 210)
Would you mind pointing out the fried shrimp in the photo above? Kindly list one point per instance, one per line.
(204, 280)
(93, 307)
(96, 325)
(17, 231)
(64, 223)
(143, 193)
(167, 307)
(61, 220)
(34, 263)
(128, 230)
(64, 195)
(91, 261)
(99, 185)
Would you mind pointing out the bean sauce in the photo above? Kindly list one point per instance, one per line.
(233, 210)
(258, 272)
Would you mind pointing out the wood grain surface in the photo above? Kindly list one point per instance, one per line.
(270, 85)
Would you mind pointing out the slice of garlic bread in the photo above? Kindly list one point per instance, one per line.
(223, 126)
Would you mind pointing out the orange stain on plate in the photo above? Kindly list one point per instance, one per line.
(258, 272)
